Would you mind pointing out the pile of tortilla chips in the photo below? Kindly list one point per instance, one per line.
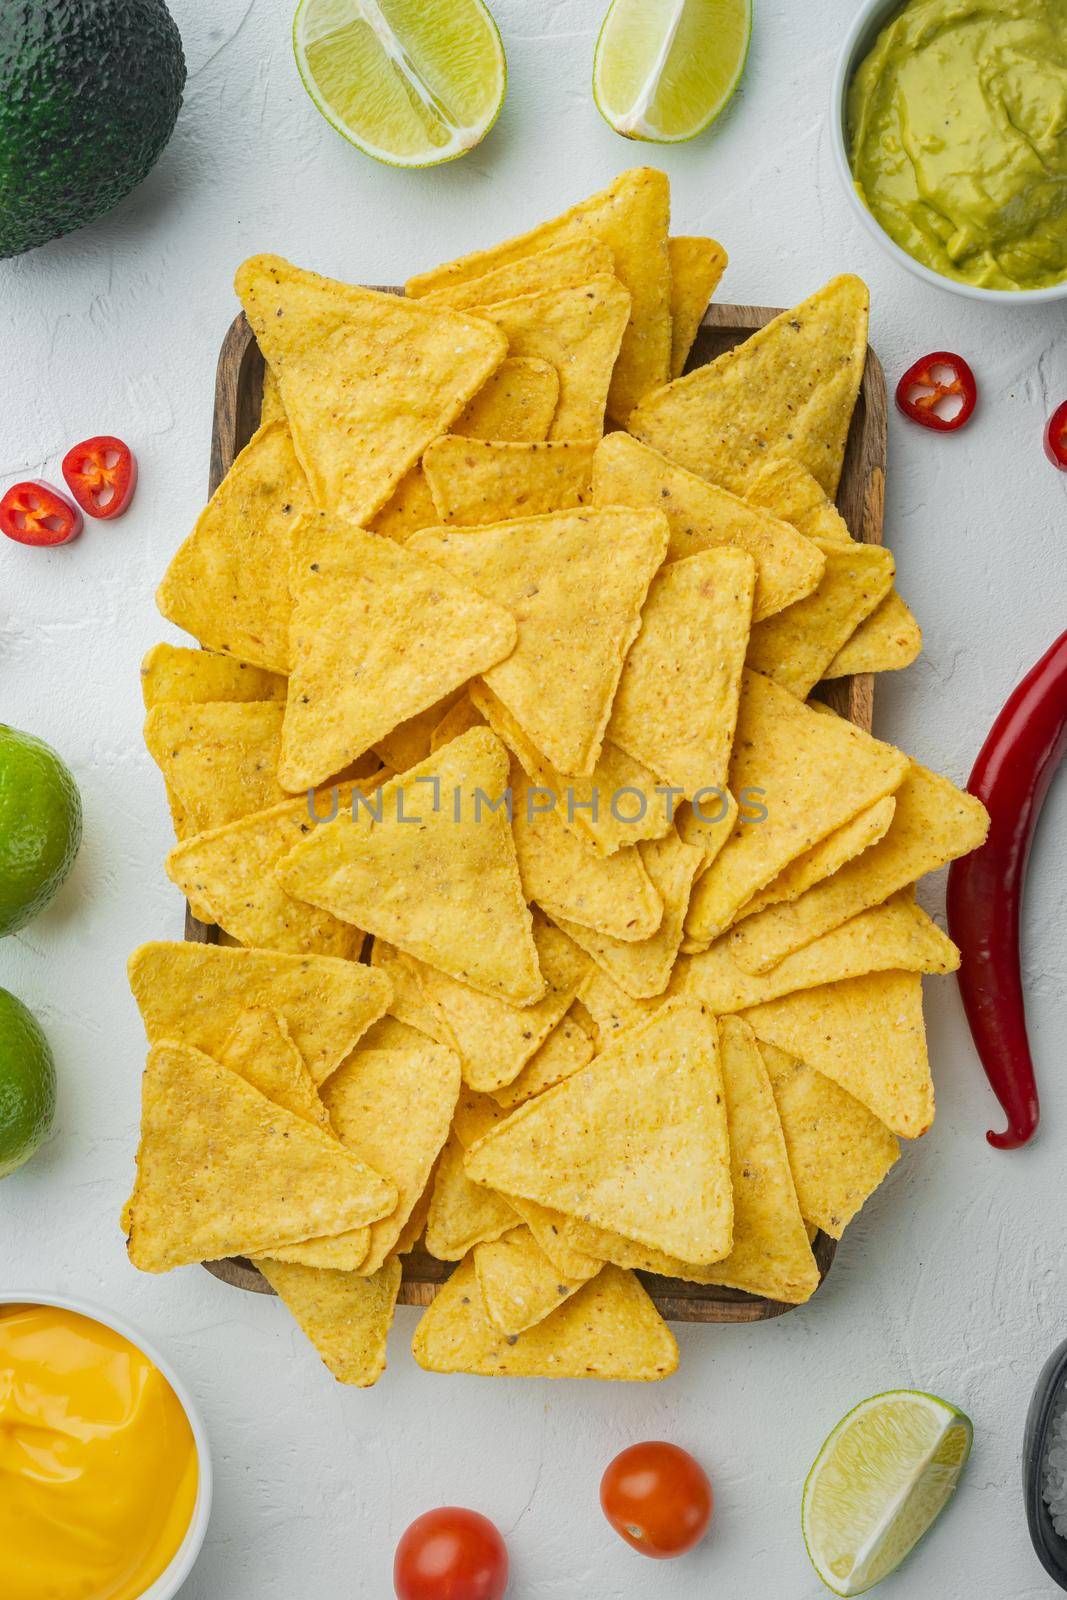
(562, 935)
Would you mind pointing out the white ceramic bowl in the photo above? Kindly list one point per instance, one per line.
(169, 1582)
(869, 20)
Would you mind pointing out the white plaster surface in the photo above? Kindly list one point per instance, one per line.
(953, 1279)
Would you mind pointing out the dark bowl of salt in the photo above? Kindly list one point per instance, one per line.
(1045, 1466)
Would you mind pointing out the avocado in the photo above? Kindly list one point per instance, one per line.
(89, 94)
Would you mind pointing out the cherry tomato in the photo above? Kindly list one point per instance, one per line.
(101, 474)
(658, 1498)
(1056, 437)
(451, 1554)
(35, 513)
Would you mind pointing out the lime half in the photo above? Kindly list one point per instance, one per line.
(40, 826)
(664, 69)
(881, 1479)
(411, 82)
(27, 1084)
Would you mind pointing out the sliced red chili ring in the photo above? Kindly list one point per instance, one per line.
(931, 384)
(101, 474)
(35, 513)
(1056, 437)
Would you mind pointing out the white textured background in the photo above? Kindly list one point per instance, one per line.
(953, 1279)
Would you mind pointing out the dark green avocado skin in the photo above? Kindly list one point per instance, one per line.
(89, 94)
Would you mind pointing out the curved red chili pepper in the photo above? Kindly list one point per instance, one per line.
(1056, 437)
(920, 391)
(1011, 777)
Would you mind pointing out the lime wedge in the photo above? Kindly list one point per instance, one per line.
(881, 1479)
(664, 69)
(411, 82)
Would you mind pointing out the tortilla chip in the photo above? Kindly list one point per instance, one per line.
(495, 1040)
(518, 1284)
(516, 404)
(444, 890)
(409, 508)
(866, 1034)
(476, 481)
(788, 390)
(838, 1152)
(171, 673)
(392, 1034)
(610, 1329)
(219, 760)
(697, 266)
(826, 857)
(346, 1316)
(367, 379)
(221, 1171)
(410, 1003)
(644, 969)
(635, 1142)
(576, 582)
(785, 489)
(889, 639)
(458, 719)
(933, 823)
(566, 1051)
(676, 704)
(462, 1213)
(230, 873)
(565, 876)
(632, 217)
(617, 806)
(409, 742)
(896, 936)
(197, 992)
(561, 266)
(270, 405)
(613, 1011)
(261, 1050)
(377, 635)
(708, 824)
(811, 774)
(796, 646)
(702, 516)
(228, 584)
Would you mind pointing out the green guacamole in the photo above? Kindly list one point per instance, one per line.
(957, 127)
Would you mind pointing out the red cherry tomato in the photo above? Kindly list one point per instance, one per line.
(1056, 437)
(451, 1554)
(101, 473)
(35, 513)
(929, 383)
(658, 1498)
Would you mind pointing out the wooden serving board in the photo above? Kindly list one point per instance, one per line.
(238, 394)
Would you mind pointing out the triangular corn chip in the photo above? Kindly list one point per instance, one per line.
(643, 969)
(228, 584)
(676, 704)
(697, 265)
(220, 760)
(346, 1317)
(825, 858)
(222, 1171)
(261, 1050)
(270, 404)
(518, 1284)
(476, 481)
(632, 217)
(377, 635)
(612, 1010)
(866, 1034)
(635, 1142)
(708, 824)
(809, 773)
(444, 888)
(171, 673)
(367, 379)
(889, 639)
(196, 993)
(561, 266)
(933, 823)
(410, 1003)
(409, 508)
(702, 516)
(784, 488)
(409, 742)
(566, 1051)
(462, 1213)
(609, 1329)
(789, 390)
(838, 1151)
(575, 582)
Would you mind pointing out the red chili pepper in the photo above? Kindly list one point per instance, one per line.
(1056, 437)
(35, 513)
(101, 473)
(924, 386)
(985, 890)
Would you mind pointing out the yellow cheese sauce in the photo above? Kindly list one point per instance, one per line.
(98, 1465)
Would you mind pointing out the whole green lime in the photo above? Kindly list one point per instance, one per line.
(40, 826)
(27, 1084)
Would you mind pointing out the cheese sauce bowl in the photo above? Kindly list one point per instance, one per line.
(87, 1391)
(871, 17)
